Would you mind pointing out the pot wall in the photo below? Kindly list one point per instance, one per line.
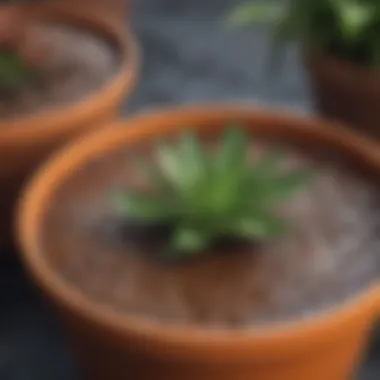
(19, 160)
(347, 93)
(117, 9)
(26, 141)
(99, 356)
(108, 345)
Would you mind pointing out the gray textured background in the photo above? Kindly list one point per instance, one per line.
(189, 56)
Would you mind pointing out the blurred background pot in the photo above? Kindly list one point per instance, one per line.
(26, 140)
(117, 10)
(115, 346)
(346, 92)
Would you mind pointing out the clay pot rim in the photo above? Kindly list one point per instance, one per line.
(289, 337)
(39, 126)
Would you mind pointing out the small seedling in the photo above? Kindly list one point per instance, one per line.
(20, 53)
(205, 195)
(14, 72)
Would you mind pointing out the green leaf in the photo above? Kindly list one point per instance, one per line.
(291, 182)
(267, 183)
(13, 73)
(347, 29)
(287, 185)
(248, 14)
(141, 207)
(170, 163)
(259, 226)
(230, 166)
(203, 197)
(233, 150)
(193, 159)
(354, 17)
(188, 241)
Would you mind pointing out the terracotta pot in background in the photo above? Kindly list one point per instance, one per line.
(116, 9)
(114, 346)
(346, 92)
(26, 141)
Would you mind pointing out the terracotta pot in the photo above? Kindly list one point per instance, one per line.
(116, 9)
(112, 346)
(346, 92)
(26, 141)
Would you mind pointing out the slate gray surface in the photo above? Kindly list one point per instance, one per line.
(189, 56)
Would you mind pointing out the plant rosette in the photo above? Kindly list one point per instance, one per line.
(162, 245)
(43, 104)
(341, 51)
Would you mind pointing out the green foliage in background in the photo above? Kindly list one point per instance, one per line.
(204, 196)
(348, 29)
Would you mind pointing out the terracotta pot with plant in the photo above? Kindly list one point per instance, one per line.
(62, 72)
(340, 44)
(210, 243)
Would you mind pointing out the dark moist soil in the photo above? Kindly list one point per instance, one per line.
(331, 254)
(77, 64)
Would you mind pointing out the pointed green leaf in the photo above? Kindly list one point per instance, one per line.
(193, 158)
(269, 192)
(233, 150)
(259, 226)
(169, 161)
(188, 241)
(13, 74)
(258, 177)
(141, 207)
(288, 184)
(230, 165)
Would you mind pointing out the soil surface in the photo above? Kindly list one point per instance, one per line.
(77, 64)
(331, 254)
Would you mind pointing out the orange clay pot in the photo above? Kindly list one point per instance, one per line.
(347, 92)
(26, 141)
(112, 346)
(116, 9)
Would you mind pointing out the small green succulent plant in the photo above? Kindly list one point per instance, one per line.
(15, 74)
(347, 29)
(204, 195)
(21, 52)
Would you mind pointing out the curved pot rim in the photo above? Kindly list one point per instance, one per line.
(181, 339)
(45, 124)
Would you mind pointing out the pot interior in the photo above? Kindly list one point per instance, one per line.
(329, 256)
